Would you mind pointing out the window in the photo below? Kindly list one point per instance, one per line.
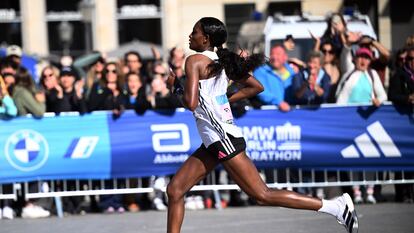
(235, 16)
(139, 19)
(10, 22)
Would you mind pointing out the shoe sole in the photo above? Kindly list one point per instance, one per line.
(354, 216)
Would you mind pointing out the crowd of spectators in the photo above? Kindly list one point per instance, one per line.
(344, 67)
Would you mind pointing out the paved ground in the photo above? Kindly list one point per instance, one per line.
(380, 218)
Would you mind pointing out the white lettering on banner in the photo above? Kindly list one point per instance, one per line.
(275, 155)
(274, 143)
(164, 132)
(367, 147)
(169, 158)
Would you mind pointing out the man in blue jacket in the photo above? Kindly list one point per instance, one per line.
(276, 78)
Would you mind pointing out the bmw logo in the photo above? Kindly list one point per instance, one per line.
(26, 150)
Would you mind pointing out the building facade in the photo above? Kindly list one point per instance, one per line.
(45, 27)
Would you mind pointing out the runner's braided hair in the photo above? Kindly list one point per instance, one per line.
(236, 66)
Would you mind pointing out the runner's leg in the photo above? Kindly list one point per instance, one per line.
(194, 169)
(242, 170)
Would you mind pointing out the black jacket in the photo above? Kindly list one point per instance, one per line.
(401, 86)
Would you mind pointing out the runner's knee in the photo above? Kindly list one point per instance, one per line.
(174, 191)
(262, 196)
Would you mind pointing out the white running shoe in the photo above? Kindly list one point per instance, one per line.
(8, 213)
(34, 211)
(347, 214)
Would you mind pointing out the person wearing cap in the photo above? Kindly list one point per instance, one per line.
(72, 100)
(360, 84)
(378, 63)
(14, 53)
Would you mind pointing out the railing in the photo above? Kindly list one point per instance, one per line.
(341, 141)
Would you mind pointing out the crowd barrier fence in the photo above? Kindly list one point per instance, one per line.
(308, 147)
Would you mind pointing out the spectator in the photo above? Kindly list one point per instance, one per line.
(8, 66)
(176, 61)
(409, 42)
(9, 81)
(335, 32)
(136, 97)
(311, 85)
(401, 93)
(159, 95)
(72, 86)
(53, 91)
(276, 77)
(7, 106)
(399, 60)
(133, 62)
(25, 96)
(14, 53)
(401, 89)
(94, 74)
(381, 62)
(293, 53)
(360, 84)
(108, 94)
(330, 64)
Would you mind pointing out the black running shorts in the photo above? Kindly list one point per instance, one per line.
(227, 148)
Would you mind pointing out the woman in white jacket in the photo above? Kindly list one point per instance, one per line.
(360, 84)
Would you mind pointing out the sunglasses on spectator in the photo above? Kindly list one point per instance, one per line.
(325, 51)
(409, 58)
(48, 75)
(162, 74)
(7, 74)
(111, 71)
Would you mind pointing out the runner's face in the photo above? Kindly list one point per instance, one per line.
(197, 39)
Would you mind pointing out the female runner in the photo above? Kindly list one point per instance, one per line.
(204, 93)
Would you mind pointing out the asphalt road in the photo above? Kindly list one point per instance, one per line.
(380, 218)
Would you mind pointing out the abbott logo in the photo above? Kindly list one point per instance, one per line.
(165, 138)
(368, 148)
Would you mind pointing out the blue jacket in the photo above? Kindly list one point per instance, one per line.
(276, 90)
(310, 97)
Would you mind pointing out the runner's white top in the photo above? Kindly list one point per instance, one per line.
(213, 115)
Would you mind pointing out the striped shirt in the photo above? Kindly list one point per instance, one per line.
(213, 115)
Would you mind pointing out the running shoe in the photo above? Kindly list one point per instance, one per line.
(347, 214)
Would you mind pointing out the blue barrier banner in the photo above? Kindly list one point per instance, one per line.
(98, 146)
(55, 148)
(154, 144)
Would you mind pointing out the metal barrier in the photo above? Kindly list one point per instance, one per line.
(297, 178)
